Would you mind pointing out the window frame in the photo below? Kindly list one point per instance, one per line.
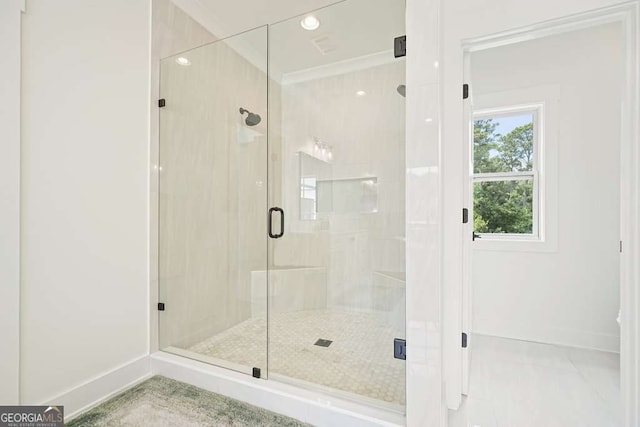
(537, 111)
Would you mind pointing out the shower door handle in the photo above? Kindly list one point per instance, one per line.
(271, 211)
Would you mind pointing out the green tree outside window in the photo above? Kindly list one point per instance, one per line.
(505, 205)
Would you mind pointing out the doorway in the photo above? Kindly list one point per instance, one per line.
(542, 252)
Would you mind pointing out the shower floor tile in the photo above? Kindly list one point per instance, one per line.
(359, 360)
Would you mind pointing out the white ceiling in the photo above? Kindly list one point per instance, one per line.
(351, 28)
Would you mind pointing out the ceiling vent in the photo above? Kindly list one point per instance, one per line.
(324, 44)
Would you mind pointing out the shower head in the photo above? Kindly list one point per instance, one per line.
(252, 119)
(402, 90)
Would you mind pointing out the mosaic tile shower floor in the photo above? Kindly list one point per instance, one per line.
(359, 360)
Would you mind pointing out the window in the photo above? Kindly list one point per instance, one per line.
(505, 172)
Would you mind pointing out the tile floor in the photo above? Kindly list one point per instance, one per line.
(359, 360)
(520, 384)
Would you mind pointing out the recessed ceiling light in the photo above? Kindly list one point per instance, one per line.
(310, 23)
(183, 61)
(361, 93)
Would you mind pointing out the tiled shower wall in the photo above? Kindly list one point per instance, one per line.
(173, 31)
(212, 192)
(213, 182)
(367, 138)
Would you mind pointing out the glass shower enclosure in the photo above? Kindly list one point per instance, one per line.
(281, 203)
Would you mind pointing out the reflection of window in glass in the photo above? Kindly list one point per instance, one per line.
(308, 197)
(505, 172)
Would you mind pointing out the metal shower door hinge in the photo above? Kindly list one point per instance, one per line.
(464, 340)
(400, 349)
(160, 306)
(162, 102)
(400, 46)
(465, 91)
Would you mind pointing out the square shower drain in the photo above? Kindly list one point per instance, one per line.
(323, 343)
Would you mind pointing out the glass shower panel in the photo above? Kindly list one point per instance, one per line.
(337, 168)
(212, 203)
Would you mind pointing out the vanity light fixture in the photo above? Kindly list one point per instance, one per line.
(322, 151)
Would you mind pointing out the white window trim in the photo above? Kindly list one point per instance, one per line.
(537, 110)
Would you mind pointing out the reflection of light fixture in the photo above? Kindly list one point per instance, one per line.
(310, 23)
(322, 151)
(361, 93)
(183, 61)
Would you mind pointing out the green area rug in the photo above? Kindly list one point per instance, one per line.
(160, 401)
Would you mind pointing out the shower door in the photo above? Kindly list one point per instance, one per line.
(296, 228)
(337, 168)
(212, 203)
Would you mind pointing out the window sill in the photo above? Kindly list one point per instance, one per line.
(505, 244)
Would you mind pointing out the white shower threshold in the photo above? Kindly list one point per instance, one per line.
(296, 382)
(318, 409)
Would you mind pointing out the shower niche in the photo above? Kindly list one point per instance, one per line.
(321, 194)
(246, 289)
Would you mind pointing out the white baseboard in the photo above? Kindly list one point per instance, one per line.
(577, 339)
(95, 391)
(309, 406)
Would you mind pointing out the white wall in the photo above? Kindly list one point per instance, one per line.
(10, 200)
(85, 124)
(569, 294)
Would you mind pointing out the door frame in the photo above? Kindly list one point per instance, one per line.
(10, 200)
(467, 230)
(628, 15)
